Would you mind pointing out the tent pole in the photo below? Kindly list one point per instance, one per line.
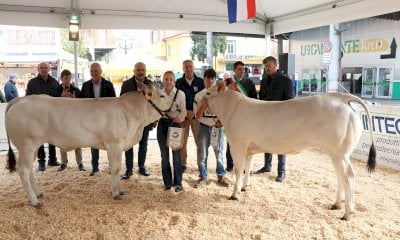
(210, 50)
(76, 65)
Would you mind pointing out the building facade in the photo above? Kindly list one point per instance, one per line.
(370, 65)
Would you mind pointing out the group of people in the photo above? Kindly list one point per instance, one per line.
(189, 110)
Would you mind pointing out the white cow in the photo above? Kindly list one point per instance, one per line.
(113, 124)
(284, 127)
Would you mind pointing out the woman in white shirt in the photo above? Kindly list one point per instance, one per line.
(175, 115)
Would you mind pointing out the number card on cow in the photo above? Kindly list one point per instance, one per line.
(175, 138)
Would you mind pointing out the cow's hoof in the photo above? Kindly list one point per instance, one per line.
(118, 197)
(344, 218)
(37, 205)
(233, 198)
(40, 195)
(123, 193)
(334, 207)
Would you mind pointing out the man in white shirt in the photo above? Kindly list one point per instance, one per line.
(208, 120)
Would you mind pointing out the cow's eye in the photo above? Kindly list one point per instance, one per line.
(162, 96)
(208, 93)
(149, 94)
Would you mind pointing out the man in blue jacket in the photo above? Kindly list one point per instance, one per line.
(10, 90)
(190, 84)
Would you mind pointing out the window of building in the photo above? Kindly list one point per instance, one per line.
(229, 67)
(231, 46)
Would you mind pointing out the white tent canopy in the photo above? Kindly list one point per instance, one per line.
(273, 16)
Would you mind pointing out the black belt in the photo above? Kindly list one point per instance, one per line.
(205, 125)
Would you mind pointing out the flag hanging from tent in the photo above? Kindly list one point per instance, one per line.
(239, 10)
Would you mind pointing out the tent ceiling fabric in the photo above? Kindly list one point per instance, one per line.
(205, 15)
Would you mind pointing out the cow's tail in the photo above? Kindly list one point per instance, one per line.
(11, 162)
(371, 163)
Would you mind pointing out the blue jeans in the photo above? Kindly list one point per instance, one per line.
(162, 132)
(142, 150)
(204, 143)
(281, 161)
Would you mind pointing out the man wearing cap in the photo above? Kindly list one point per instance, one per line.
(10, 90)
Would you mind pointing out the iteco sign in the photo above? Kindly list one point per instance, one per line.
(386, 129)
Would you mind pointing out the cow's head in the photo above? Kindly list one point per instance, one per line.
(156, 96)
(218, 88)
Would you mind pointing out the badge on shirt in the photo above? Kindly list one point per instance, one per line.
(195, 88)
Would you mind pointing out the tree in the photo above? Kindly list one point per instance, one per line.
(69, 45)
(199, 48)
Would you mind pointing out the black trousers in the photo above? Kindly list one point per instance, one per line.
(52, 153)
(142, 152)
(281, 161)
(229, 160)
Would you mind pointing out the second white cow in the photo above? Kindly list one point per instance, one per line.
(113, 124)
(324, 121)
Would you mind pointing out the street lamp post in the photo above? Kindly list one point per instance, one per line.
(125, 43)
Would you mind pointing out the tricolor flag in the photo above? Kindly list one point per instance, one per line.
(239, 10)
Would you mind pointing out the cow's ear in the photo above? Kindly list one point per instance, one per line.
(141, 87)
(149, 95)
(232, 86)
(221, 86)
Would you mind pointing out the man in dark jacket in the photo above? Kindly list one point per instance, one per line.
(96, 87)
(245, 86)
(190, 84)
(130, 85)
(275, 87)
(43, 83)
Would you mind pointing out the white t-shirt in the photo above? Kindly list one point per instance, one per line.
(96, 89)
(178, 108)
(208, 118)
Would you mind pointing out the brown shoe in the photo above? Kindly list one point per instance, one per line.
(223, 181)
(201, 182)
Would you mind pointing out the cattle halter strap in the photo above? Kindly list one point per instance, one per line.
(161, 112)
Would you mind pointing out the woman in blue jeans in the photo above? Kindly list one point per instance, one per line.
(175, 115)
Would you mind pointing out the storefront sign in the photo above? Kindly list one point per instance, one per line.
(348, 46)
(29, 44)
(386, 129)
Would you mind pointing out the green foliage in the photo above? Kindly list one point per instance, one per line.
(69, 45)
(199, 48)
